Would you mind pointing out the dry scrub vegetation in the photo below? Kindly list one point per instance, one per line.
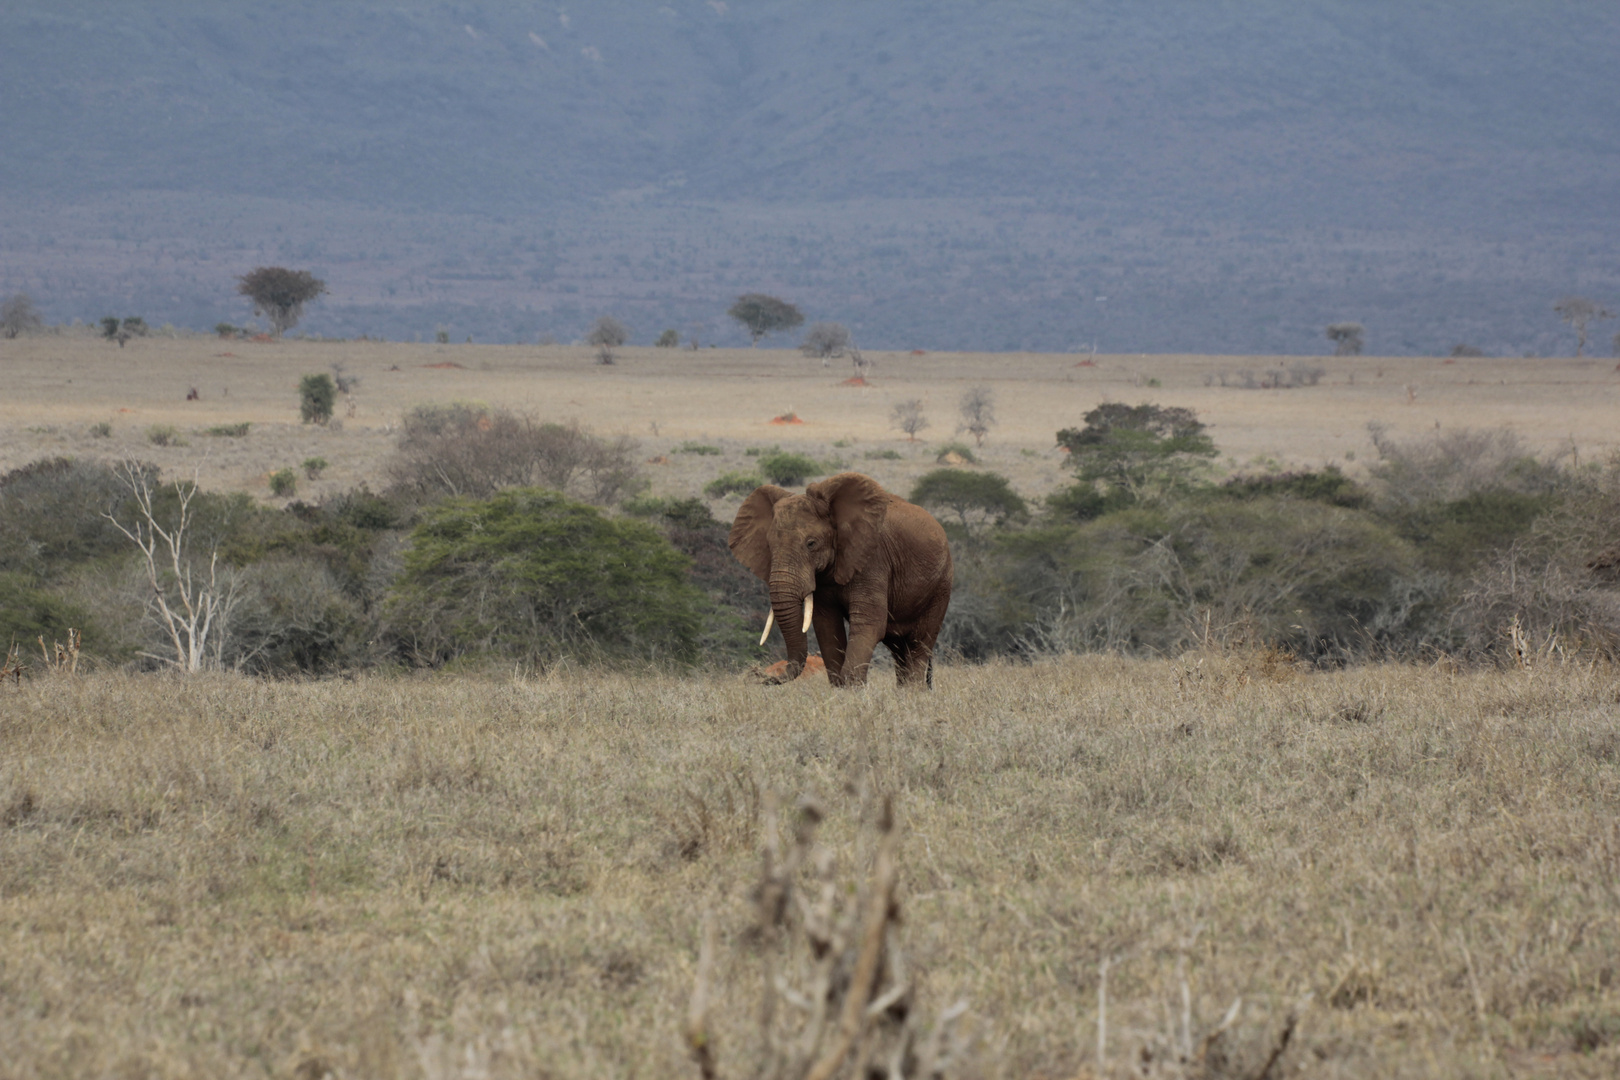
(470, 876)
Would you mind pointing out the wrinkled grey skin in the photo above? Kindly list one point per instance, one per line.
(878, 568)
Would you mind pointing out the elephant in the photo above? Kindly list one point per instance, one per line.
(847, 551)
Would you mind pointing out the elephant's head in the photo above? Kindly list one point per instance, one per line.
(789, 540)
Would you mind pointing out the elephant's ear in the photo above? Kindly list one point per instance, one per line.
(750, 533)
(857, 507)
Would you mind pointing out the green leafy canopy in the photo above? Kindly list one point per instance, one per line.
(531, 574)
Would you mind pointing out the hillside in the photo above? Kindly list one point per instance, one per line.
(1228, 177)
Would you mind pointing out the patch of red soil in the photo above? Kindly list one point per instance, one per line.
(1086, 363)
(224, 354)
(813, 666)
(858, 380)
(661, 459)
(919, 352)
(443, 365)
(788, 418)
(262, 339)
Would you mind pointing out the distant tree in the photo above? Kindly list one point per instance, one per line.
(1578, 311)
(227, 330)
(762, 315)
(316, 395)
(1136, 453)
(908, 417)
(1346, 338)
(280, 294)
(19, 316)
(825, 339)
(978, 408)
(669, 339)
(607, 334)
(121, 331)
(1465, 350)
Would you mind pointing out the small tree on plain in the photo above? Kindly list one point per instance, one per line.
(669, 339)
(19, 316)
(607, 334)
(761, 314)
(908, 417)
(114, 329)
(1578, 311)
(316, 395)
(978, 408)
(280, 294)
(1346, 338)
(825, 339)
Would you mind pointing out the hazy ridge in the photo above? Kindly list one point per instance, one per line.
(1229, 176)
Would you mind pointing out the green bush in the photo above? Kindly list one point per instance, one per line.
(283, 483)
(316, 396)
(789, 469)
(732, 483)
(530, 574)
(314, 466)
(1325, 581)
(697, 448)
(164, 435)
(1141, 453)
(975, 498)
(961, 450)
(883, 455)
(53, 514)
(1327, 485)
(101, 430)
(230, 431)
(29, 611)
(669, 339)
(685, 513)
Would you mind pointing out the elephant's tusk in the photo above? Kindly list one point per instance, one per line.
(770, 620)
(809, 606)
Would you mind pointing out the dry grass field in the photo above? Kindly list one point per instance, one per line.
(57, 387)
(478, 877)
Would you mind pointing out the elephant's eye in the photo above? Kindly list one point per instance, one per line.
(809, 543)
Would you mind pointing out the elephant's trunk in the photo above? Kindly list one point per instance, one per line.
(791, 604)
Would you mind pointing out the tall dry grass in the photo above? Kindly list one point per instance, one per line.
(481, 877)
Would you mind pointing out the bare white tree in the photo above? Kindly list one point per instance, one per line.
(190, 603)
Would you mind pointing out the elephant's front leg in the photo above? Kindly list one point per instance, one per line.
(829, 623)
(868, 619)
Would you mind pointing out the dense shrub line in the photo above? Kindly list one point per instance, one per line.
(501, 537)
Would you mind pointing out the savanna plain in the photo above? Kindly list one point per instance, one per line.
(1223, 863)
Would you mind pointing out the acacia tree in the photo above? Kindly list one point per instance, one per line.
(825, 339)
(978, 408)
(761, 314)
(1135, 453)
(908, 417)
(280, 294)
(19, 316)
(607, 334)
(1346, 338)
(1578, 311)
